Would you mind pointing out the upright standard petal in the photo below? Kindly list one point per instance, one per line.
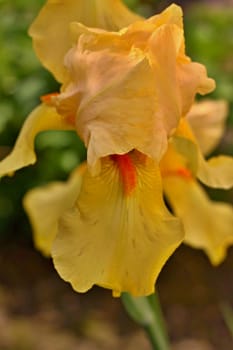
(45, 205)
(42, 118)
(191, 204)
(180, 79)
(124, 89)
(119, 234)
(50, 30)
(112, 98)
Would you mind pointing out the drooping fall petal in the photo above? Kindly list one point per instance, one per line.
(42, 118)
(208, 225)
(215, 172)
(45, 205)
(180, 166)
(50, 30)
(117, 236)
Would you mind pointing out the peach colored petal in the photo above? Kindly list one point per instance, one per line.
(114, 112)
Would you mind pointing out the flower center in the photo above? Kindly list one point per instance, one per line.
(127, 171)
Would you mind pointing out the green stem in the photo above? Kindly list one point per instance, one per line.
(146, 311)
(227, 314)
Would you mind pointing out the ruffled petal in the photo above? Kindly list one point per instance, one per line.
(139, 33)
(125, 89)
(46, 204)
(114, 240)
(50, 30)
(207, 120)
(208, 225)
(42, 118)
(115, 102)
(173, 14)
(178, 79)
(163, 60)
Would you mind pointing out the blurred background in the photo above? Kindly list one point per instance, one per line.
(39, 311)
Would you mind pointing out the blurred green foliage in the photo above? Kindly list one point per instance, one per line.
(209, 39)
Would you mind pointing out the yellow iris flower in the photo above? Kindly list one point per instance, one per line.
(119, 217)
(208, 225)
(125, 94)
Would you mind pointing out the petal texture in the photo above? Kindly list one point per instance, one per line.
(45, 205)
(41, 118)
(50, 30)
(208, 225)
(115, 240)
(114, 112)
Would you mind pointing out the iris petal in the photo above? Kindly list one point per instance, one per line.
(207, 120)
(128, 90)
(199, 83)
(208, 225)
(116, 241)
(41, 118)
(45, 205)
(215, 172)
(115, 113)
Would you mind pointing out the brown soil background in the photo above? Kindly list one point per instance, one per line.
(39, 311)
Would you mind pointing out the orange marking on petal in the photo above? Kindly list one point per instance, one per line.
(47, 99)
(70, 119)
(181, 172)
(127, 170)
